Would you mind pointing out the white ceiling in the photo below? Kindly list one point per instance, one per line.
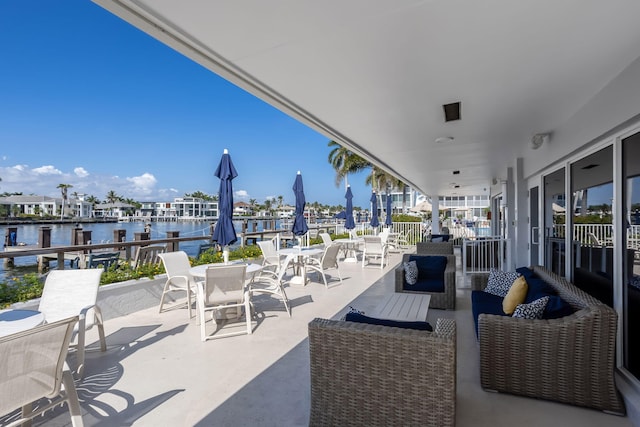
(373, 74)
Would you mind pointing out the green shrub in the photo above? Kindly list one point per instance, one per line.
(20, 289)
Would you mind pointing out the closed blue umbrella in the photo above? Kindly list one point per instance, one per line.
(299, 223)
(374, 210)
(224, 233)
(349, 224)
(387, 221)
(340, 215)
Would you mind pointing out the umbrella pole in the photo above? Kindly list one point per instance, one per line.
(225, 254)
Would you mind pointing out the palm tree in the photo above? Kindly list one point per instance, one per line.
(63, 190)
(112, 197)
(345, 161)
(280, 201)
(92, 199)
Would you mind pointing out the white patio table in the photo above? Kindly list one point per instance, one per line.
(200, 271)
(300, 277)
(12, 321)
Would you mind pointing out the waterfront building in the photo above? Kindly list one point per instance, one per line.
(45, 206)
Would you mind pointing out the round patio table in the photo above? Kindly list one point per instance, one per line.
(12, 321)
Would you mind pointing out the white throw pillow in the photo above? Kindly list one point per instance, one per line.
(411, 272)
(533, 310)
(500, 282)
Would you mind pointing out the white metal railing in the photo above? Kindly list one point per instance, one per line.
(481, 254)
(599, 234)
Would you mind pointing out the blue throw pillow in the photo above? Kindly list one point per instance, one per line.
(556, 308)
(430, 267)
(538, 288)
(359, 318)
(526, 272)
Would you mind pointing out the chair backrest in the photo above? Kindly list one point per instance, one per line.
(148, 255)
(176, 263)
(223, 283)
(104, 259)
(67, 292)
(330, 256)
(373, 244)
(326, 239)
(269, 252)
(429, 248)
(32, 363)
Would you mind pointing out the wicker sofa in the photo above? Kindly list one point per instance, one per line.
(569, 359)
(442, 300)
(370, 375)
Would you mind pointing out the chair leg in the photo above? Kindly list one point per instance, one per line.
(72, 399)
(247, 313)
(285, 300)
(100, 325)
(80, 348)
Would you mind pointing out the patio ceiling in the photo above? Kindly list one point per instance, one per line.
(374, 74)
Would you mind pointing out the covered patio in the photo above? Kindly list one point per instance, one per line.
(156, 370)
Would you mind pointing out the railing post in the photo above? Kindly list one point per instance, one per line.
(44, 241)
(173, 246)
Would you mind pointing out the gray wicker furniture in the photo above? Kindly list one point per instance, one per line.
(370, 375)
(569, 360)
(434, 248)
(442, 300)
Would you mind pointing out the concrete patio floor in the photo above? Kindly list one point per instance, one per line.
(157, 372)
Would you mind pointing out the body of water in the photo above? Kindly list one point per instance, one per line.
(103, 233)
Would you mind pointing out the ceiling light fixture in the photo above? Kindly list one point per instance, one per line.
(538, 139)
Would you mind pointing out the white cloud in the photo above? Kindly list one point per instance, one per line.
(47, 170)
(81, 172)
(241, 194)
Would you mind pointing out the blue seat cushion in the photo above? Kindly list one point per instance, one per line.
(361, 318)
(430, 267)
(556, 308)
(484, 302)
(426, 285)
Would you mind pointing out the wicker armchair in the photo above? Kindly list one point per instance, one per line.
(442, 300)
(434, 248)
(369, 375)
(569, 360)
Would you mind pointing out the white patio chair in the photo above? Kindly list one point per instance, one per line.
(68, 293)
(270, 256)
(326, 239)
(148, 255)
(272, 282)
(177, 265)
(33, 367)
(403, 240)
(328, 261)
(374, 248)
(223, 289)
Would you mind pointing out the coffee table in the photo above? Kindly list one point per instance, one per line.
(404, 307)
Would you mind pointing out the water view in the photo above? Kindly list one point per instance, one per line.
(103, 233)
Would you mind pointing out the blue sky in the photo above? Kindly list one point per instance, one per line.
(88, 100)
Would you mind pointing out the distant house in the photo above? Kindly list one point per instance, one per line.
(286, 211)
(113, 210)
(242, 208)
